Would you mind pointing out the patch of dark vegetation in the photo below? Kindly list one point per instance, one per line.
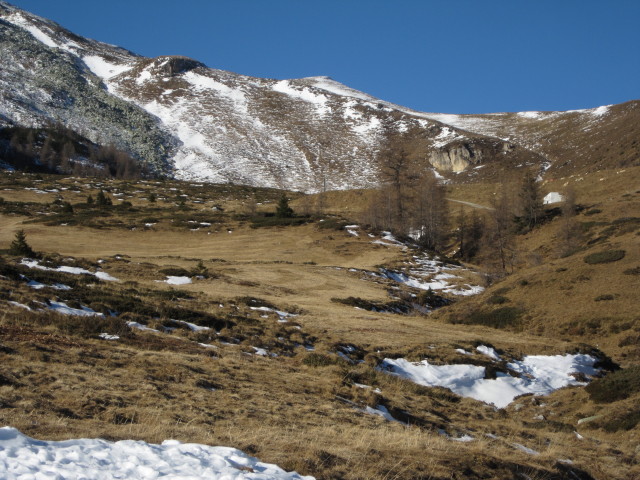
(499, 318)
(206, 384)
(615, 386)
(632, 271)
(593, 211)
(622, 421)
(332, 223)
(430, 299)
(271, 220)
(497, 300)
(372, 306)
(606, 256)
(629, 340)
(175, 272)
(319, 360)
(605, 297)
(255, 302)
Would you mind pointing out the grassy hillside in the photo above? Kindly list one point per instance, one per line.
(264, 351)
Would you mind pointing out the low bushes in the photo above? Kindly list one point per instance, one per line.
(499, 318)
(615, 386)
(606, 256)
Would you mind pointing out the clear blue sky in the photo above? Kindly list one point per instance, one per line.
(452, 56)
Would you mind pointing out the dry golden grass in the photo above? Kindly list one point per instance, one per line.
(58, 383)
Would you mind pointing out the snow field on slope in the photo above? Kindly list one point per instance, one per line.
(23, 458)
(104, 69)
(538, 374)
(318, 100)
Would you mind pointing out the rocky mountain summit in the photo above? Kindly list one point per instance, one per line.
(181, 118)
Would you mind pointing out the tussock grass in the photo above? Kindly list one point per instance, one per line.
(300, 409)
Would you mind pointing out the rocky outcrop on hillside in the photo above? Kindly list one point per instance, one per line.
(457, 156)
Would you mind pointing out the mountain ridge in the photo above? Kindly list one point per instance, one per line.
(194, 122)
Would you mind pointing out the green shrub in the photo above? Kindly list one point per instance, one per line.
(615, 386)
(606, 256)
(632, 271)
(593, 211)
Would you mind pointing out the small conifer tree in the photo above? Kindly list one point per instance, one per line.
(20, 247)
(283, 210)
(90, 200)
(102, 200)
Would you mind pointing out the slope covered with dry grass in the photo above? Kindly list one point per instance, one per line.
(283, 371)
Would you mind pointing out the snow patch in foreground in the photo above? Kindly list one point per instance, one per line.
(537, 374)
(23, 457)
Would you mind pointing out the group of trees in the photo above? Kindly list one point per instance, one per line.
(57, 149)
(411, 202)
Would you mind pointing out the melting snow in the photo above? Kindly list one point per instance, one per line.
(539, 375)
(445, 137)
(381, 411)
(72, 270)
(64, 309)
(140, 326)
(23, 457)
(489, 352)
(178, 280)
(192, 326)
(600, 111)
(552, 197)
(319, 100)
(102, 68)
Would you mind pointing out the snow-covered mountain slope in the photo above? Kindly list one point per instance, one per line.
(199, 123)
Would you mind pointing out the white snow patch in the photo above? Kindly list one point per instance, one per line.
(552, 197)
(534, 115)
(524, 449)
(140, 326)
(107, 336)
(539, 375)
(143, 77)
(381, 411)
(489, 352)
(102, 68)
(72, 270)
(64, 309)
(600, 111)
(192, 326)
(337, 88)
(105, 276)
(317, 99)
(445, 137)
(23, 457)
(171, 280)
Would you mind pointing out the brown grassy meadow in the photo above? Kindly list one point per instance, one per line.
(302, 409)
